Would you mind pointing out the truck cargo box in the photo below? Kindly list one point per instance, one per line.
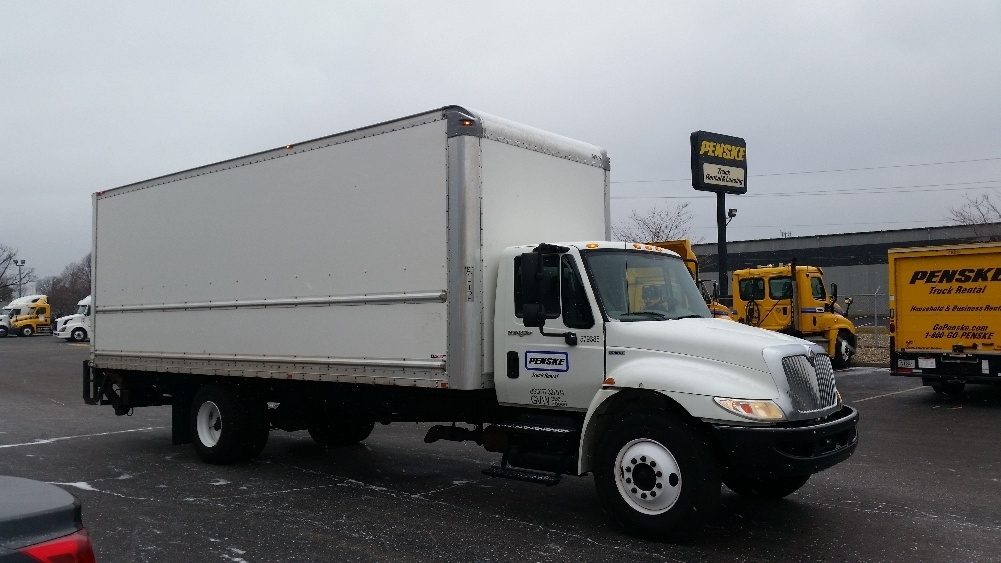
(362, 257)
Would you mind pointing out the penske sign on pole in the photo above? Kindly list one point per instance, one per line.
(719, 163)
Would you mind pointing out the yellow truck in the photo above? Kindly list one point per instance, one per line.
(767, 297)
(945, 314)
(683, 247)
(35, 318)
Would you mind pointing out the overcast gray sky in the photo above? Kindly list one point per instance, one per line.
(95, 95)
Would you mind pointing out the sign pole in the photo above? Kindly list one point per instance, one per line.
(721, 241)
(719, 164)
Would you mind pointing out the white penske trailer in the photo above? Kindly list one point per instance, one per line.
(449, 268)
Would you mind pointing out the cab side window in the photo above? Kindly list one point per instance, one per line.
(780, 288)
(550, 286)
(562, 292)
(751, 289)
(817, 286)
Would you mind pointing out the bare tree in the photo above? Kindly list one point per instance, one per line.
(12, 277)
(657, 224)
(982, 212)
(68, 287)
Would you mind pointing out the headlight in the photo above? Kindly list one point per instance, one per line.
(754, 410)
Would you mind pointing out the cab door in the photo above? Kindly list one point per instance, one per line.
(553, 370)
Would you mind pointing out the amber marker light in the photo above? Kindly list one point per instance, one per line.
(608, 381)
(592, 245)
(638, 246)
(466, 122)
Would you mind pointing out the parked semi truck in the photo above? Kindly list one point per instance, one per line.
(75, 327)
(770, 297)
(31, 316)
(945, 314)
(426, 270)
(15, 308)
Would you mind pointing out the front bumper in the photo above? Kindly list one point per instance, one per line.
(801, 448)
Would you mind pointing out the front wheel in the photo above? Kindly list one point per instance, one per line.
(765, 486)
(27, 330)
(3, 332)
(228, 426)
(78, 335)
(844, 349)
(656, 476)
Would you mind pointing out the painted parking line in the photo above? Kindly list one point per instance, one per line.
(50, 440)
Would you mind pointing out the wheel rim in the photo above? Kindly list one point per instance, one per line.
(648, 476)
(78, 334)
(209, 424)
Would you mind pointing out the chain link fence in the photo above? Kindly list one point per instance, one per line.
(872, 332)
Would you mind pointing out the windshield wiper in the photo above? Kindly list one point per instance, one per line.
(653, 314)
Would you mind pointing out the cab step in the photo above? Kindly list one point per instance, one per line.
(527, 475)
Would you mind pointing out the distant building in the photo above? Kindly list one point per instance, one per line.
(856, 262)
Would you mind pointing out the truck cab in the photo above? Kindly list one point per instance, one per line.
(32, 318)
(769, 297)
(612, 346)
(75, 327)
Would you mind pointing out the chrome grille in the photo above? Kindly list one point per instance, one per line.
(811, 386)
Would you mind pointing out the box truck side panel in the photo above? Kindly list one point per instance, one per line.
(526, 193)
(284, 258)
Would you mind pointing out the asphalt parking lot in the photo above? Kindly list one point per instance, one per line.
(924, 485)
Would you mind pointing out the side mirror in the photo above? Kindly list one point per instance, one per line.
(533, 312)
(533, 315)
(531, 277)
(834, 291)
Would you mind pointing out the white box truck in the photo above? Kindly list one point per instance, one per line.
(420, 270)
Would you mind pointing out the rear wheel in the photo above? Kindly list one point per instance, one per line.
(333, 433)
(765, 486)
(656, 476)
(228, 426)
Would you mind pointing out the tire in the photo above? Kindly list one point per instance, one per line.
(335, 433)
(844, 349)
(227, 425)
(656, 476)
(3, 332)
(949, 389)
(78, 334)
(27, 330)
(770, 487)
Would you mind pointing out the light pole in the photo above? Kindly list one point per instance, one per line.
(19, 264)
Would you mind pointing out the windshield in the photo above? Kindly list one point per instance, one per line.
(83, 310)
(641, 286)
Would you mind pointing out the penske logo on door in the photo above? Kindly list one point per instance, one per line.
(542, 360)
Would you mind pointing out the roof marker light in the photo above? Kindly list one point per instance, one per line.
(592, 245)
